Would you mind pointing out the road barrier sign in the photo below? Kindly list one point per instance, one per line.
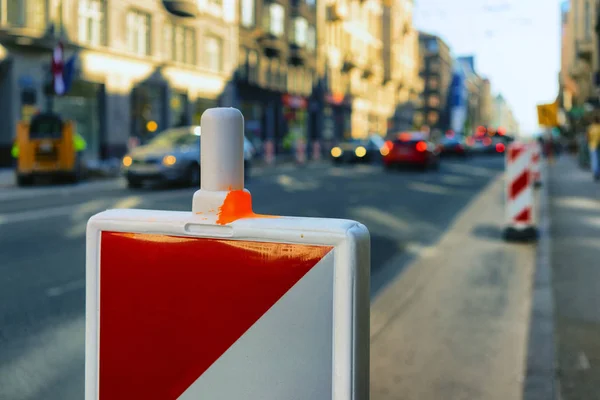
(223, 303)
(536, 159)
(519, 194)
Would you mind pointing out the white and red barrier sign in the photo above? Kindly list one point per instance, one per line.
(223, 303)
(519, 192)
(536, 159)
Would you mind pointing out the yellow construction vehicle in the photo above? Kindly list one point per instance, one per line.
(47, 146)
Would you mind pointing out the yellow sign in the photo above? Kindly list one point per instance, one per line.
(548, 114)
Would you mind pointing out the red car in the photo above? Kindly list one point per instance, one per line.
(412, 149)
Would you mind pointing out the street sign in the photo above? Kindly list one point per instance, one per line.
(548, 114)
(223, 303)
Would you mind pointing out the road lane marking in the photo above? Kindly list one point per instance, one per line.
(583, 364)
(87, 208)
(430, 188)
(66, 288)
(381, 217)
(16, 193)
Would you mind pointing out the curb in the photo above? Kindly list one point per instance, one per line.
(540, 380)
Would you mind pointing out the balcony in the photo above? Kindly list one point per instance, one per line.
(272, 45)
(585, 48)
(181, 8)
(349, 63)
(298, 55)
(336, 12)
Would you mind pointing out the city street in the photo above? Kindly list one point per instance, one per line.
(42, 243)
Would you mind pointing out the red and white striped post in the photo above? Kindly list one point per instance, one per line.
(536, 159)
(520, 208)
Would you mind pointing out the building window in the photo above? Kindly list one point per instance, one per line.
(247, 13)
(253, 66)
(300, 31)
(433, 101)
(138, 32)
(92, 29)
(26, 13)
(432, 45)
(213, 53)
(432, 117)
(588, 17)
(242, 69)
(311, 38)
(276, 19)
(180, 43)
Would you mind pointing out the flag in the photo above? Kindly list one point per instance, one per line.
(69, 72)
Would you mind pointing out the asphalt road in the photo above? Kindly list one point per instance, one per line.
(42, 248)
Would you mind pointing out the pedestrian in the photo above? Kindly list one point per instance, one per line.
(593, 139)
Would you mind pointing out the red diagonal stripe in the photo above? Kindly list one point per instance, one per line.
(524, 216)
(519, 184)
(515, 151)
(171, 306)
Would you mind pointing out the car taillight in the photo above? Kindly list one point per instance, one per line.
(421, 146)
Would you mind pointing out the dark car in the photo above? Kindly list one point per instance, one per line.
(454, 146)
(358, 150)
(411, 149)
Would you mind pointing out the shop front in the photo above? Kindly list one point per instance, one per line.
(201, 105)
(295, 114)
(84, 104)
(337, 119)
(178, 104)
(148, 110)
(254, 114)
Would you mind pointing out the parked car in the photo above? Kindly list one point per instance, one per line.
(358, 150)
(454, 146)
(172, 156)
(411, 149)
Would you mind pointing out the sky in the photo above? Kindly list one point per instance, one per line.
(516, 44)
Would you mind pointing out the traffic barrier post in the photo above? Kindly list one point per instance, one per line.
(536, 159)
(520, 208)
(224, 303)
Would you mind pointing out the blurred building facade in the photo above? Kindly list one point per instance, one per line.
(579, 78)
(401, 63)
(474, 84)
(356, 101)
(437, 73)
(277, 72)
(486, 100)
(503, 117)
(301, 71)
(136, 63)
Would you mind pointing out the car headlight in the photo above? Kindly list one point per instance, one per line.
(336, 152)
(127, 161)
(169, 160)
(360, 151)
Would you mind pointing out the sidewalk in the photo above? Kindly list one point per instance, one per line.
(575, 232)
(454, 324)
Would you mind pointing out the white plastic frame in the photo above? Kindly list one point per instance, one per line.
(351, 292)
